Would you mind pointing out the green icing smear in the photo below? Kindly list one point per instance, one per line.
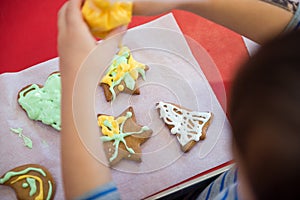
(43, 104)
(10, 174)
(49, 190)
(17, 131)
(27, 141)
(129, 81)
(25, 185)
(32, 185)
(121, 137)
(30, 181)
(108, 124)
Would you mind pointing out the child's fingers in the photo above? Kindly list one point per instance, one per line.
(75, 6)
(77, 3)
(62, 16)
(73, 14)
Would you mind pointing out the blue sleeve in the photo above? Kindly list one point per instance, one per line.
(295, 22)
(108, 191)
(225, 181)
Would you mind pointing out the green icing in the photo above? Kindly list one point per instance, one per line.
(141, 72)
(43, 104)
(121, 137)
(49, 191)
(10, 174)
(17, 131)
(129, 81)
(27, 141)
(118, 59)
(108, 124)
(32, 185)
(25, 185)
(30, 181)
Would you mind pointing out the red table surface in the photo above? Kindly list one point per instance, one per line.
(29, 36)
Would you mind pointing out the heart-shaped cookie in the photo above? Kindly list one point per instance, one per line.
(42, 103)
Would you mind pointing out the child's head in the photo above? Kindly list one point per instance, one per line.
(265, 117)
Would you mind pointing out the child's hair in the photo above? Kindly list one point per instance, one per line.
(265, 115)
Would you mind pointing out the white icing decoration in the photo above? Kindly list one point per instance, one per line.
(188, 125)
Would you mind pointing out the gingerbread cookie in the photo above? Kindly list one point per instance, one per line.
(102, 16)
(30, 182)
(122, 74)
(188, 126)
(122, 136)
(42, 103)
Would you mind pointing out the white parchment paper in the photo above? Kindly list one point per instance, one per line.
(174, 76)
(45, 139)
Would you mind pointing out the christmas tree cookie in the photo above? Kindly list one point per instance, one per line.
(188, 126)
(122, 74)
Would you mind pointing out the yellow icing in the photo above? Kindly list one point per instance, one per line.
(121, 119)
(120, 72)
(119, 137)
(41, 194)
(113, 127)
(135, 63)
(103, 16)
(120, 87)
(123, 68)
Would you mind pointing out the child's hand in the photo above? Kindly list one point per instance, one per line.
(75, 40)
(153, 7)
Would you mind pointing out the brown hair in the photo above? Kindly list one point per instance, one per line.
(265, 116)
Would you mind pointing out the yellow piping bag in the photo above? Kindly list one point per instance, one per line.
(102, 16)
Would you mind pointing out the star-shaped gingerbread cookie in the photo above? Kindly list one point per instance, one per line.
(122, 136)
(122, 74)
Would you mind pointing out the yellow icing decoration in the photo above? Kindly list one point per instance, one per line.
(123, 68)
(135, 63)
(120, 87)
(102, 16)
(109, 125)
(118, 137)
(41, 194)
(120, 120)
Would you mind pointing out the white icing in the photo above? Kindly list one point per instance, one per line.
(188, 125)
